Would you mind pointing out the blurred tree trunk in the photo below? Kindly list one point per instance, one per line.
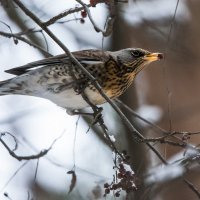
(123, 39)
(173, 85)
(168, 84)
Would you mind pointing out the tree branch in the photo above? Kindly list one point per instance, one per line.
(64, 14)
(23, 39)
(110, 22)
(20, 158)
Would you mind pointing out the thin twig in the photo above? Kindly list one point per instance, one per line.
(15, 173)
(64, 14)
(70, 11)
(36, 170)
(192, 187)
(102, 125)
(110, 21)
(74, 144)
(139, 117)
(30, 157)
(23, 39)
(167, 134)
(185, 133)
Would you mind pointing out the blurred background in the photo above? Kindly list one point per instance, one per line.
(166, 93)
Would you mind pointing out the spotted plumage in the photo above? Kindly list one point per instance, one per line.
(60, 81)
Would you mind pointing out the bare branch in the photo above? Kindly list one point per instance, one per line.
(68, 12)
(31, 157)
(64, 14)
(139, 117)
(192, 187)
(109, 23)
(15, 173)
(99, 119)
(23, 39)
(12, 13)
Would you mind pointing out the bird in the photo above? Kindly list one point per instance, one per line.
(61, 81)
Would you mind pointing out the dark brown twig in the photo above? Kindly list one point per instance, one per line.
(14, 174)
(23, 39)
(68, 12)
(139, 117)
(31, 157)
(64, 14)
(166, 135)
(110, 21)
(192, 187)
(99, 119)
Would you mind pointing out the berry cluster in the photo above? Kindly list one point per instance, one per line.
(93, 4)
(124, 180)
(83, 15)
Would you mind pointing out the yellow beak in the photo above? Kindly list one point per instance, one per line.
(153, 57)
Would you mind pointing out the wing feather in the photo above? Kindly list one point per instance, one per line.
(82, 56)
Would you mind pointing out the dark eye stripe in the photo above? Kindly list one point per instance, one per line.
(137, 53)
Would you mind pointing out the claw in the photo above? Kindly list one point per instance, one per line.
(70, 112)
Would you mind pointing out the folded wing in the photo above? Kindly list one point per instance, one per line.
(84, 56)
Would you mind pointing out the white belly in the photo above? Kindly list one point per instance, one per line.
(71, 100)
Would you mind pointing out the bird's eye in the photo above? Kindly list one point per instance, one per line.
(136, 53)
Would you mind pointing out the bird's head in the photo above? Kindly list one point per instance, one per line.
(134, 59)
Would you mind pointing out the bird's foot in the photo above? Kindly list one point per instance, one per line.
(77, 112)
(98, 118)
(97, 115)
(96, 112)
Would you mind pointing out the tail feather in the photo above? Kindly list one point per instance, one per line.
(9, 87)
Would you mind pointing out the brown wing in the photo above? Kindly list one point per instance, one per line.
(85, 55)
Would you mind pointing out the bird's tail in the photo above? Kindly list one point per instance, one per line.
(9, 87)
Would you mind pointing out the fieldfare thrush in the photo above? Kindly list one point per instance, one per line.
(58, 79)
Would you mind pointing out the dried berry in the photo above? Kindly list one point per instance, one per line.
(83, 14)
(117, 194)
(120, 175)
(129, 184)
(82, 21)
(121, 166)
(122, 171)
(107, 191)
(128, 174)
(5, 194)
(114, 186)
(106, 185)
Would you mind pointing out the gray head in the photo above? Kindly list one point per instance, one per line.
(136, 58)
